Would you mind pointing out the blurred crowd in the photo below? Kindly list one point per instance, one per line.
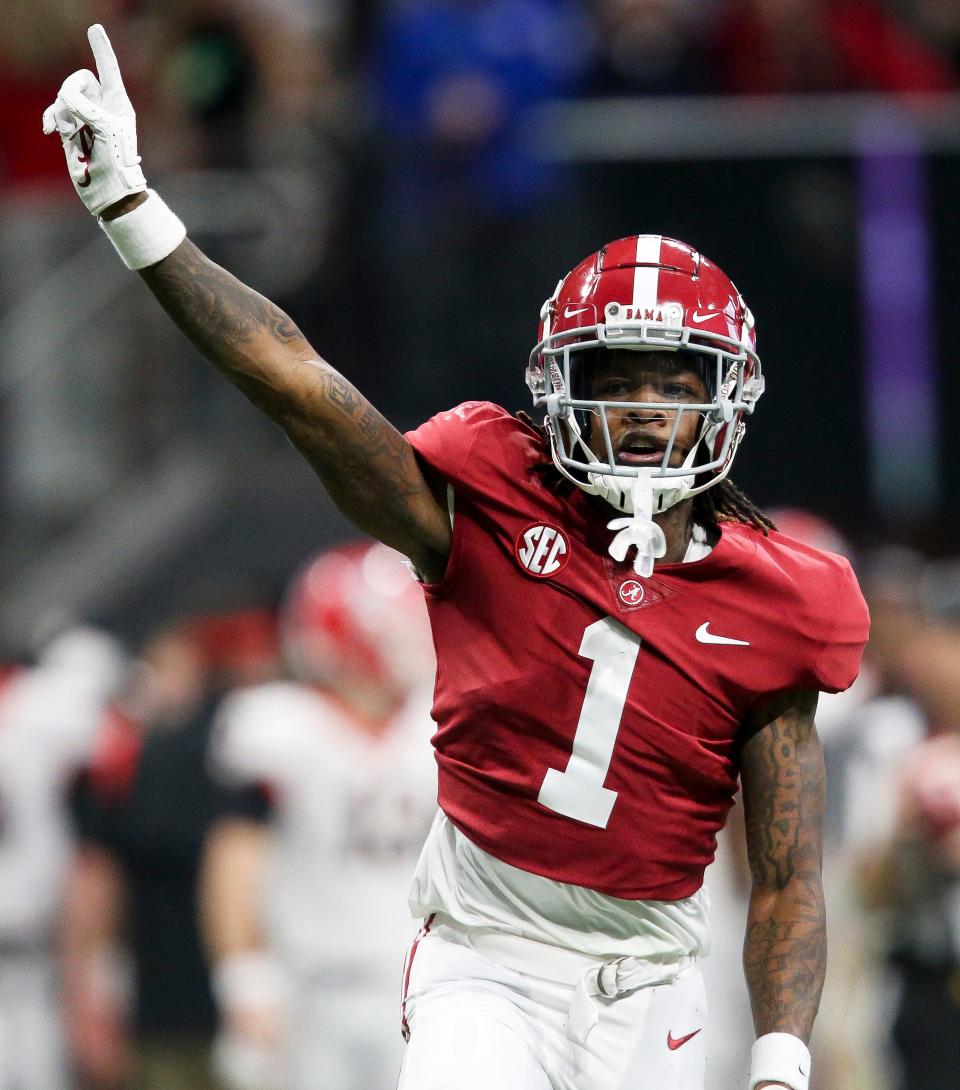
(207, 840)
(374, 139)
(440, 85)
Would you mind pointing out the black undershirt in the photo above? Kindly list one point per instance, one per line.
(155, 830)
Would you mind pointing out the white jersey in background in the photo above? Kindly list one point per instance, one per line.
(351, 810)
(49, 717)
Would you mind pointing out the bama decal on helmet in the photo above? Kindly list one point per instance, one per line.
(542, 550)
(670, 314)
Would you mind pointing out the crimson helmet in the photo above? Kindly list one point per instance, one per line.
(645, 293)
(355, 615)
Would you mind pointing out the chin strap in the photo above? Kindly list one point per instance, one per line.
(639, 529)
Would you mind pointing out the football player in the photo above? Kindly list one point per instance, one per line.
(619, 635)
(306, 915)
(49, 718)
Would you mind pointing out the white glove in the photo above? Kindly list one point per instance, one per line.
(98, 127)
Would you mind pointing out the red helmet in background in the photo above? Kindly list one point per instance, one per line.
(645, 293)
(355, 615)
(240, 645)
(811, 529)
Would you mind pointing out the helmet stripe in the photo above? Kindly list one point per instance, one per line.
(646, 276)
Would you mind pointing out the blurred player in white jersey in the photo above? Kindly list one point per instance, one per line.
(307, 916)
(48, 720)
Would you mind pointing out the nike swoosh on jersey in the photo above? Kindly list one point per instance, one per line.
(673, 1043)
(704, 635)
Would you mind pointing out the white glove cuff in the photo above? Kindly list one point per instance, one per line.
(249, 980)
(781, 1058)
(146, 235)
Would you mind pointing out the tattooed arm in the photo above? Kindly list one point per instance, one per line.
(785, 948)
(367, 466)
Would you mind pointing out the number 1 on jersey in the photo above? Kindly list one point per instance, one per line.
(578, 791)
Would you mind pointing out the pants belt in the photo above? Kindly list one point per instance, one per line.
(591, 978)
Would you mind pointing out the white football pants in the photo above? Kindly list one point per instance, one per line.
(32, 1052)
(344, 1036)
(477, 1024)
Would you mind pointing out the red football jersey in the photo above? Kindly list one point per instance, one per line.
(588, 718)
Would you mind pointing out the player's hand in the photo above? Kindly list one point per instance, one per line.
(98, 127)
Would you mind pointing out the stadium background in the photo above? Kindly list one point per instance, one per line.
(409, 180)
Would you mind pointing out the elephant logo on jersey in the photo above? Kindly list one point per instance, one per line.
(631, 592)
(542, 550)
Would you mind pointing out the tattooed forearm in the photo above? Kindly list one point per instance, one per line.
(234, 327)
(343, 436)
(785, 946)
(368, 468)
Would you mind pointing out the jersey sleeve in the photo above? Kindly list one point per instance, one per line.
(64, 711)
(447, 441)
(88, 815)
(100, 789)
(254, 803)
(838, 662)
(253, 743)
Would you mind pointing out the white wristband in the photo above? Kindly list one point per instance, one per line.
(781, 1058)
(146, 235)
(250, 979)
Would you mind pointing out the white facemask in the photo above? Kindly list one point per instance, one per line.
(640, 497)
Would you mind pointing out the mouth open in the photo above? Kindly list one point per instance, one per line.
(640, 453)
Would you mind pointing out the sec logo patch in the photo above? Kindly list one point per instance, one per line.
(542, 550)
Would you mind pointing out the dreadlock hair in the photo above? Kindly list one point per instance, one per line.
(724, 502)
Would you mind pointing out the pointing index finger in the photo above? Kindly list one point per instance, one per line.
(107, 67)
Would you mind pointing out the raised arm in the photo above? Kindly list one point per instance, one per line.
(785, 947)
(367, 466)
